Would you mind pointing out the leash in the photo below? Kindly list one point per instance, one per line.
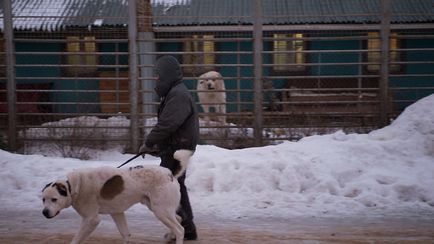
(131, 159)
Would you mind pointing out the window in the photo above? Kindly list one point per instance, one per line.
(374, 43)
(75, 45)
(204, 58)
(295, 46)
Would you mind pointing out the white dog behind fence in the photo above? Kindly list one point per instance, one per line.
(212, 94)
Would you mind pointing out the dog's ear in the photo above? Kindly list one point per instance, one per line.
(61, 188)
(49, 184)
(199, 83)
(221, 82)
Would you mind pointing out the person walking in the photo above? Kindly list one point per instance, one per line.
(177, 128)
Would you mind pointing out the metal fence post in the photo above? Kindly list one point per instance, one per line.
(133, 66)
(257, 62)
(10, 75)
(146, 61)
(385, 54)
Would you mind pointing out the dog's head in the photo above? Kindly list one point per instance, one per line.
(55, 197)
(211, 80)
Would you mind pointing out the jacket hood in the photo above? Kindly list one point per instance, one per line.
(170, 74)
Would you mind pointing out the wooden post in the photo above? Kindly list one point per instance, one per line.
(10, 75)
(133, 66)
(385, 59)
(146, 61)
(257, 63)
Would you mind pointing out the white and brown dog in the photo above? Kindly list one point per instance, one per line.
(108, 190)
(212, 94)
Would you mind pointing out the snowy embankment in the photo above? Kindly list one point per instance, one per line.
(337, 174)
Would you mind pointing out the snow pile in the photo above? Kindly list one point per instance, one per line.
(91, 126)
(338, 173)
(70, 137)
(416, 123)
(388, 170)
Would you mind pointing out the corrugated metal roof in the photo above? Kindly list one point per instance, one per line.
(220, 12)
(57, 14)
(208, 12)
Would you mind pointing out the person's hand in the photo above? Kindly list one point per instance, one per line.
(148, 150)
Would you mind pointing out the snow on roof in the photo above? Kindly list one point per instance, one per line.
(51, 15)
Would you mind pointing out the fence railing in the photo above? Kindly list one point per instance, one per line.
(92, 86)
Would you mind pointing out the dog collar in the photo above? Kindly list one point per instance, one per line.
(69, 187)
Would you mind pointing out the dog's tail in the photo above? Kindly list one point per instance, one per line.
(183, 156)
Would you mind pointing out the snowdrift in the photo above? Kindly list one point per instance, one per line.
(387, 170)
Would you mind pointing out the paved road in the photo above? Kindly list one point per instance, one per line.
(31, 227)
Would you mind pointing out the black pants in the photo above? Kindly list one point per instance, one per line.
(184, 210)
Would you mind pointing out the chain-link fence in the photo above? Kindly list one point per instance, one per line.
(285, 69)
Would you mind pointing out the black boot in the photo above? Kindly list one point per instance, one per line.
(190, 233)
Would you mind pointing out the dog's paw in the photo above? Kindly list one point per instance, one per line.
(169, 236)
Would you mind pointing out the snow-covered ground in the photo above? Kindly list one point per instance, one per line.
(387, 170)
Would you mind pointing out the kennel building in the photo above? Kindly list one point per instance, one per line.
(77, 71)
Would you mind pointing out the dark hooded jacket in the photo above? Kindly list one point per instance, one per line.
(178, 124)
